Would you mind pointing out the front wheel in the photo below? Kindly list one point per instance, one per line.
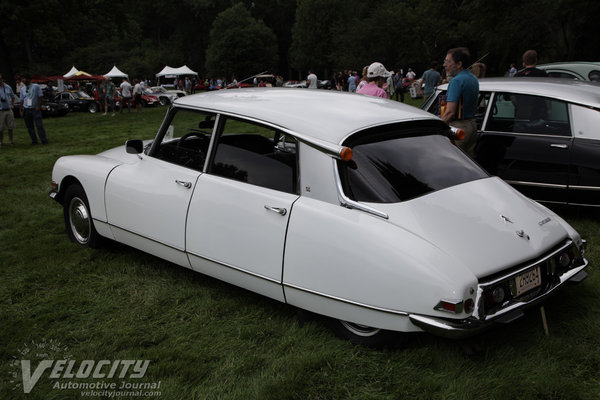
(93, 108)
(164, 101)
(366, 335)
(78, 219)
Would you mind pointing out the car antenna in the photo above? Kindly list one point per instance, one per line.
(250, 77)
(481, 58)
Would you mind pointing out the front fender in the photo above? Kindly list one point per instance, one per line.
(91, 172)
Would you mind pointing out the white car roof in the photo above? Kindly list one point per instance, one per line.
(571, 90)
(324, 115)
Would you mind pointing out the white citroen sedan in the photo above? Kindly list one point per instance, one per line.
(356, 208)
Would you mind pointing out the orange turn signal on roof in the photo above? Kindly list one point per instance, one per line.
(346, 154)
(459, 134)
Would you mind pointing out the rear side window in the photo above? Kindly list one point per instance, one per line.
(393, 164)
(586, 122)
(520, 113)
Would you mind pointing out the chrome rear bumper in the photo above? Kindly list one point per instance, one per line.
(456, 329)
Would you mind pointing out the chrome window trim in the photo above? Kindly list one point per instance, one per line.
(349, 203)
(537, 184)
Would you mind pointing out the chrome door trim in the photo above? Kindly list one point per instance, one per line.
(342, 300)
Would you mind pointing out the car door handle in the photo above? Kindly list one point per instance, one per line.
(559, 145)
(280, 211)
(184, 184)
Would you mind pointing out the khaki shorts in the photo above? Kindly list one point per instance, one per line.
(7, 120)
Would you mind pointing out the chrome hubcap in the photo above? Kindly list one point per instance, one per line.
(79, 219)
(360, 330)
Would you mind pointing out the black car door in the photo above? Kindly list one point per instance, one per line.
(526, 141)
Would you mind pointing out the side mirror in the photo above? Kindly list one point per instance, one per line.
(135, 146)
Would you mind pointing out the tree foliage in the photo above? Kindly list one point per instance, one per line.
(224, 37)
(240, 45)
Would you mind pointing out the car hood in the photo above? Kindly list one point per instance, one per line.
(484, 224)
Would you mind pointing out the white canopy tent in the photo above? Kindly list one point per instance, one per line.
(116, 73)
(170, 72)
(71, 73)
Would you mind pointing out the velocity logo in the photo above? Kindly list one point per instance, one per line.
(36, 360)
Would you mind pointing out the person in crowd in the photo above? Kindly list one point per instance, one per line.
(101, 91)
(431, 78)
(390, 85)
(512, 70)
(126, 94)
(376, 76)
(530, 59)
(19, 84)
(461, 99)
(363, 78)
(7, 118)
(351, 82)
(311, 80)
(137, 95)
(478, 69)
(411, 74)
(31, 109)
(399, 86)
(110, 96)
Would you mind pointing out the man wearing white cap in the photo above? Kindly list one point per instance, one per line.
(376, 76)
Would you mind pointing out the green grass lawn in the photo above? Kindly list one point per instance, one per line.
(209, 340)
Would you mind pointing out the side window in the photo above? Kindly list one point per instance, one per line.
(256, 154)
(585, 122)
(521, 113)
(556, 74)
(435, 106)
(186, 138)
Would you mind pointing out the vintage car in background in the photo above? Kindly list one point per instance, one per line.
(541, 135)
(149, 98)
(584, 71)
(53, 109)
(77, 100)
(357, 208)
(165, 97)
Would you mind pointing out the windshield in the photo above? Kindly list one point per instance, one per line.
(82, 94)
(393, 164)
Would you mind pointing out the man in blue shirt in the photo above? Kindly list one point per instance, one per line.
(461, 98)
(431, 78)
(31, 109)
(7, 102)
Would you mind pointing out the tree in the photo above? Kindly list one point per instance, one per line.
(239, 45)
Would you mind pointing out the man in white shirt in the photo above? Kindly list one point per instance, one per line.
(126, 94)
(311, 80)
(137, 95)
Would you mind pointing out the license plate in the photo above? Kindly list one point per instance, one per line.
(527, 281)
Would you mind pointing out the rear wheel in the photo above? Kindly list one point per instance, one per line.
(366, 335)
(93, 108)
(78, 219)
(164, 101)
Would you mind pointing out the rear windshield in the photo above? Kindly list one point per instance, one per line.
(401, 162)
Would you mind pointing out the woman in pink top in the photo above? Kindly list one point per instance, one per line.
(376, 76)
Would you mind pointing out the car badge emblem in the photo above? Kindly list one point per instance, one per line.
(506, 219)
(523, 235)
(544, 221)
